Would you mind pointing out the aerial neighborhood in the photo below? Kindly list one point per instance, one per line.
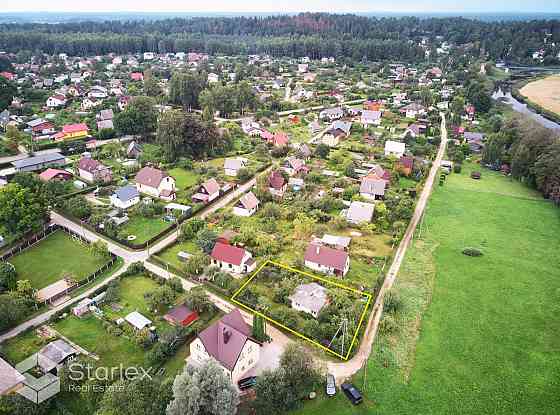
(234, 220)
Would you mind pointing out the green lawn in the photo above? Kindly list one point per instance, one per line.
(144, 228)
(52, 258)
(184, 178)
(89, 333)
(169, 255)
(476, 335)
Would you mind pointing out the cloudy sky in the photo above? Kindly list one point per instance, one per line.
(284, 6)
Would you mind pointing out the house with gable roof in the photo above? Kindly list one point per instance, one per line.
(94, 171)
(229, 342)
(232, 259)
(155, 182)
(247, 205)
(326, 260)
(207, 191)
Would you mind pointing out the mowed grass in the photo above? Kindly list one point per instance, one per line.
(144, 228)
(184, 178)
(54, 257)
(477, 335)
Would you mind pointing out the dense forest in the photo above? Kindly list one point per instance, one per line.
(307, 34)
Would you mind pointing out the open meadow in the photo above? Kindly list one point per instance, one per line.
(471, 335)
(544, 92)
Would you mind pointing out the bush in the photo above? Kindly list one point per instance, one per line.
(393, 303)
(457, 167)
(472, 252)
(388, 325)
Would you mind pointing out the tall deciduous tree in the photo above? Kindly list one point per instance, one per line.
(205, 390)
(20, 210)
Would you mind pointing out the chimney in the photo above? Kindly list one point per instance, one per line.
(227, 335)
(317, 249)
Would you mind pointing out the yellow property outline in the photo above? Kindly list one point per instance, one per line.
(369, 297)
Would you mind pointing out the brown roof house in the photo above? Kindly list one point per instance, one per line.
(208, 191)
(229, 342)
(277, 184)
(155, 182)
(326, 260)
(247, 205)
(94, 171)
(10, 379)
(359, 212)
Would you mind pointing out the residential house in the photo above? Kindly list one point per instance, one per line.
(334, 241)
(40, 126)
(155, 182)
(94, 171)
(394, 148)
(303, 67)
(413, 110)
(137, 76)
(229, 342)
(181, 315)
(370, 118)
(279, 139)
(405, 165)
(338, 130)
(137, 320)
(106, 114)
(304, 152)
(326, 260)
(475, 141)
(105, 125)
(125, 197)
(54, 355)
(331, 114)
(414, 130)
(359, 212)
(247, 205)
(56, 101)
(54, 175)
(207, 191)
(309, 298)
(75, 130)
(372, 187)
(294, 166)
(133, 150)
(232, 259)
(232, 166)
(4, 119)
(90, 103)
(10, 379)
(314, 127)
(277, 184)
(39, 162)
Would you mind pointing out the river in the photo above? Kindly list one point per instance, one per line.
(523, 109)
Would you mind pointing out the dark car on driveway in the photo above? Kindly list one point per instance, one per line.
(352, 393)
(331, 385)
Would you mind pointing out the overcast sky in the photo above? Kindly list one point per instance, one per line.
(432, 6)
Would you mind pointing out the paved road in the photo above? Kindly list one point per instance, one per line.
(345, 370)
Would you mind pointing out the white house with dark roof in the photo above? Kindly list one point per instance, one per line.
(207, 191)
(331, 114)
(372, 187)
(394, 148)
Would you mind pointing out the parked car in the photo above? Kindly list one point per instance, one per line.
(331, 385)
(247, 383)
(352, 393)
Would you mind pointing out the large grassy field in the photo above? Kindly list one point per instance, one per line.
(52, 258)
(477, 335)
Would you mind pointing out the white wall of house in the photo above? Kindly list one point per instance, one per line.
(330, 140)
(118, 203)
(86, 175)
(230, 172)
(325, 269)
(167, 183)
(248, 358)
(243, 212)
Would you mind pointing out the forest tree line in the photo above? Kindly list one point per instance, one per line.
(308, 34)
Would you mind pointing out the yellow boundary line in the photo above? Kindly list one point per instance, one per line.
(302, 336)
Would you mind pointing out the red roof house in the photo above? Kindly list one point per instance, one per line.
(279, 140)
(327, 260)
(277, 184)
(137, 76)
(181, 315)
(54, 174)
(232, 258)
